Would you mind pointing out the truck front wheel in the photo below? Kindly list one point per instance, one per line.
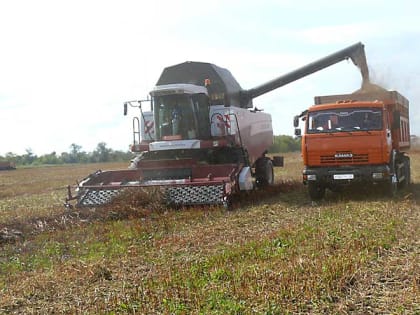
(391, 186)
(316, 191)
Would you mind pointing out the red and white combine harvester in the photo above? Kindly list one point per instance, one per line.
(202, 141)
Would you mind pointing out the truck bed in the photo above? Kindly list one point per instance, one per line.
(385, 96)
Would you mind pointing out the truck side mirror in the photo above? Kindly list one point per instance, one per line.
(298, 132)
(296, 121)
(125, 109)
(396, 120)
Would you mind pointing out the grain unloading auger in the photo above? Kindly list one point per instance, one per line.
(201, 142)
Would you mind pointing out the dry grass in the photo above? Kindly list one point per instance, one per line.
(274, 253)
(33, 192)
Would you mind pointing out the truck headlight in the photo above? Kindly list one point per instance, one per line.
(310, 176)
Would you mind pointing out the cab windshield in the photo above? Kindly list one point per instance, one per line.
(181, 116)
(348, 119)
(174, 117)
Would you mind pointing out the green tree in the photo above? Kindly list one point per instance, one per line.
(283, 143)
(29, 157)
(101, 153)
(51, 158)
(76, 155)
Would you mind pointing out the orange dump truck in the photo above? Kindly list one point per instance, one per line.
(356, 138)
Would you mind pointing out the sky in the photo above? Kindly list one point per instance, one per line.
(67, 67)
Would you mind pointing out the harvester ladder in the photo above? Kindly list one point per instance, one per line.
(136, 130)
(237, 127)
(245, 152)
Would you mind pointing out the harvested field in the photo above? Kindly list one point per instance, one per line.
(275, 252)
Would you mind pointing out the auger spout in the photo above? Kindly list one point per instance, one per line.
(355, 52)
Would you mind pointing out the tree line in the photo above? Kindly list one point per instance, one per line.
(75, 155)
(283, 144)
(102, 153)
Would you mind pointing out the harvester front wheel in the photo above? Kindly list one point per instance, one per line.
(264, 173)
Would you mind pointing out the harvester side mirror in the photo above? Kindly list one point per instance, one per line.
(396, 120)
(296, 121)
(298, 132)
(125, 109)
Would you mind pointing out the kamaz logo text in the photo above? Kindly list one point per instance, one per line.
(343, 155)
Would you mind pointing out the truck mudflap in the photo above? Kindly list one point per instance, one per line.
(191, 191)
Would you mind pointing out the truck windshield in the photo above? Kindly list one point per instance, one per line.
(174, 117)
(344, 119)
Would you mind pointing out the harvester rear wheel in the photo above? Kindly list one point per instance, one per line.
(264, 173)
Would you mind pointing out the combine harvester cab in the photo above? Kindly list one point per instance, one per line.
(201, 141)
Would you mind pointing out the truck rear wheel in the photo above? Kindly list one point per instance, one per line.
(264, 173)
(316, 191)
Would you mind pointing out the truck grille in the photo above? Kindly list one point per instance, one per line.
(354, 158)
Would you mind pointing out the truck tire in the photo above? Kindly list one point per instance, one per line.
(391, 185)
(264, 173)
(316, 191)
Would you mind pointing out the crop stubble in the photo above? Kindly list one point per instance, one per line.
(274, 252)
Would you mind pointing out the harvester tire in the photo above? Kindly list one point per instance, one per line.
(264, 173)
